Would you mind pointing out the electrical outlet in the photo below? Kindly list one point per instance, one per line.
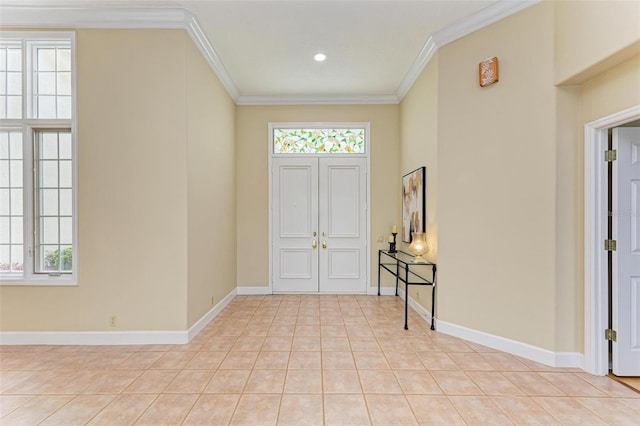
(380, 239)
(212, 301)
(113, 321)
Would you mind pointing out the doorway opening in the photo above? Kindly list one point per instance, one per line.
(604, 266)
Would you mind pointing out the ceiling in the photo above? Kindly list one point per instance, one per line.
(266, 48)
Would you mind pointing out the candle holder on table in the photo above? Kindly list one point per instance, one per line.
(392, 244)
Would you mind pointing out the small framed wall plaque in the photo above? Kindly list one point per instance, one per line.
(488, 71)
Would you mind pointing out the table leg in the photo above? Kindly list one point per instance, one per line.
(397, 276)
(433, 297)
(406, 297)
(406, 307)
(433, 306)
(379, 255)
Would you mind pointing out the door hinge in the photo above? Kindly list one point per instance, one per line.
(610, 245)
(610, 334)
(610, 155)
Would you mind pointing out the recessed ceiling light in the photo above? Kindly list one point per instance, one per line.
(320, 57)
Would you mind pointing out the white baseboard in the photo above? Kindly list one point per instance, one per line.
(209, 316)
(251, 291)
(569, 360)
(513, 347)
(93, 337)
(421, 310)
(525, 350)
(114, 337)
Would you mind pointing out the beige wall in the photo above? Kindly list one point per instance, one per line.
(253, 178)
(419, 147)
(493, 152)
(132, 190)
(592, 36)
(610, 92)
(509, 203)
(211, 253)
(496, 198)
(597, 52)
(569, 224)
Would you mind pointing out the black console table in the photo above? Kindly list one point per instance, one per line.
(400, 264)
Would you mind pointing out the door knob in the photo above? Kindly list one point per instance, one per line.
(315, 233)
(324, 244)
(314, 244)
(324, 234)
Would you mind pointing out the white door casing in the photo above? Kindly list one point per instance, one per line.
(626, 258)
(319, 224)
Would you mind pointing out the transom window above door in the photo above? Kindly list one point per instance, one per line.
(319, 140)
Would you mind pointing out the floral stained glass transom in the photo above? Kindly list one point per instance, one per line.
(318, 141)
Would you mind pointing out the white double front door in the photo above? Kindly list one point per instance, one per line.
(319, 224)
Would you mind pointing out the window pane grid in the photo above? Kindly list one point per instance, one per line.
(11, 80)
(51, 81)
(11, 199)
(318, 141)
(37, 223)
(54, 222)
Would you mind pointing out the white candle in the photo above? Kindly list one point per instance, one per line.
(390, 238)
(394, 229)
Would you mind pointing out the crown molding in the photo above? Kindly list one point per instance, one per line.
(120, 17)
(425, 55)
(316, 99)
(93, 17)
(480, 19)
(206, 48)
(174, 17)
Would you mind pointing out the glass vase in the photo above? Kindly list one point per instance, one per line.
(418, 246)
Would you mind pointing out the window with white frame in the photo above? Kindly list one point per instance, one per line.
(38, 223)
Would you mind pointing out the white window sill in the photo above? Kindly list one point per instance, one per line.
(46, 281)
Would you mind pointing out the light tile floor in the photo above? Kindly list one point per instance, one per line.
(296, 360)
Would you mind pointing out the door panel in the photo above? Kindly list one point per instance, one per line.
(296, 204)
(343, 263)
(296, 263)
(343, 201)
(626, 259)
(295, 192)
(343, 212)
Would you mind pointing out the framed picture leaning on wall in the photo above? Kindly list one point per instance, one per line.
(413, 203)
